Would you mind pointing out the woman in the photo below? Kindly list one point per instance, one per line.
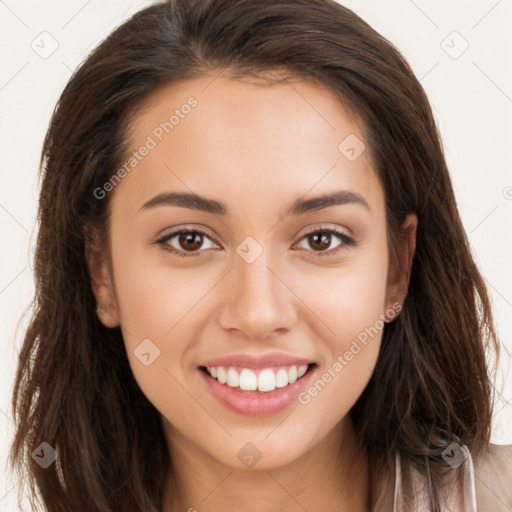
(254, 289)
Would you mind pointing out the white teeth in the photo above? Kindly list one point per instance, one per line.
(233, 378)
(301, 370)
(248, 380)
(221, 375)
(267, 380)
(282, 378)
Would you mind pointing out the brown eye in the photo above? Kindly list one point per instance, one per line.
(321, 239)
(185, 241)
(190, 240)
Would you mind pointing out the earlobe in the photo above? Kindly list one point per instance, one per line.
(400, 272)
(101, 283)
(108, 315)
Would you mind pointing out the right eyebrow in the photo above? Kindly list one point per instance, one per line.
(188, 200)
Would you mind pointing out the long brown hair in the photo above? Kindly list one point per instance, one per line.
(74, 388)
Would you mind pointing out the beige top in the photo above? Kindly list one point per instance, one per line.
(485, 486)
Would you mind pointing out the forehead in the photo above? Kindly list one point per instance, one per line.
(213, 135)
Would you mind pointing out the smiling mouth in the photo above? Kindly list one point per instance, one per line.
(257, 381)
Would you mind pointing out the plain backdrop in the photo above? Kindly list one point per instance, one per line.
(460, 50)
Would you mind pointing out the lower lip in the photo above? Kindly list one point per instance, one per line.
(256, 404)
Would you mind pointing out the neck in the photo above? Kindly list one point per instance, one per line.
(333, 476)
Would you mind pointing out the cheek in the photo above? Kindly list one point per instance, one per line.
(153, 297)
(156, 307)
(348, 299)
(348, 305)
(164, 305)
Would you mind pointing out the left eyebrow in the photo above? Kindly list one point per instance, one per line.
(340, 197)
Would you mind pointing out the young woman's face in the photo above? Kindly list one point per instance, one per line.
(258, 279)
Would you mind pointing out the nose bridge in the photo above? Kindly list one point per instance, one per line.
(256, 280)
(258, 302)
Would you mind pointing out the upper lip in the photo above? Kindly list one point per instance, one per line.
(257, 361)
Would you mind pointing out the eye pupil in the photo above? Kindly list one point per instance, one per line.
(187, 237)
(323, 240)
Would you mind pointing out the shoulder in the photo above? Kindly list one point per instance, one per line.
(493, 479)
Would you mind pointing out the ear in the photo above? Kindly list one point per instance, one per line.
(399, 272)
(101, 282)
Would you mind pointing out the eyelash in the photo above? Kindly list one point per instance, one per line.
(347, 242)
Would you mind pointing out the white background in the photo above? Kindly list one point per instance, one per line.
(471, 96)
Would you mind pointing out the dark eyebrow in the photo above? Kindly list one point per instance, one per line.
(300, 206)
(188, 200)
(324, 201)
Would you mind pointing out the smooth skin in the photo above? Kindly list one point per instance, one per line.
(257, 149)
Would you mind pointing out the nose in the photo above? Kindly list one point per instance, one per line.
(259, 302)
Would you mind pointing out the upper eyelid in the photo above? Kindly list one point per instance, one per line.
(172, 234)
